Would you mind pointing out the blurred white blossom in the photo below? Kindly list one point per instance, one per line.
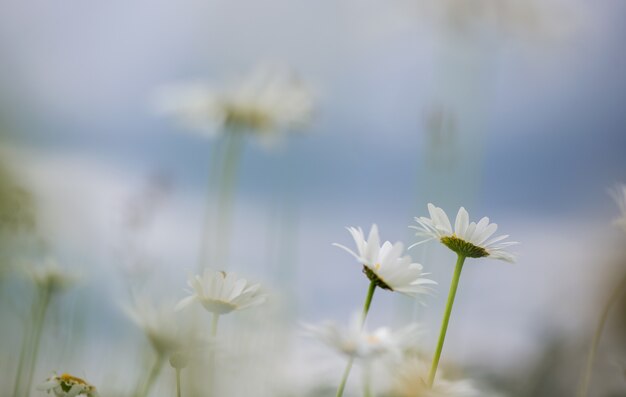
(268, 102)
(221, 292)
(358, 343)
(159, 324)
(409, 382)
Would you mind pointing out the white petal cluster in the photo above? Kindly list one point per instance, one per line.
(396, 271)
(619, 195)
(268, 101)
(222, 292)
(159, 324)
(470, 239)
(66, 385)
(50, 277)
(358, 343)
(410, 382)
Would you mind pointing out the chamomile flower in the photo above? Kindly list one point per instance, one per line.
(269, 101)
(66, 385)
(386, 265)
(50, 278)
(356, 342)
(468, 239)
(158, 324)
(619, 195)
(221, 292)
(409, 383)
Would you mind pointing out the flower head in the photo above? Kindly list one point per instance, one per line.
(66, 385)
(221, 292)
(409, 383)
(358, 343)
(268, 101)
(158, 324)
(471, 240)
(385, 265)
(50, 278)
(619, 195)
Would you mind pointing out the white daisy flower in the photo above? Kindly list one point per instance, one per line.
(221, 292)
(409, 383)
(386, 266)
(356, 342)
(50, 277)
(268, 101)
(159, 324)
(66, 385)
(471, 240)
(619, 195)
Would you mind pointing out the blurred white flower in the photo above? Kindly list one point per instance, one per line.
(269, 101)
(386, 266)
(159, 324)
(358, 343)
(409, 383)
(220, 292)
(66, 385)
(50, 278)
(619, 195)
(471, 240)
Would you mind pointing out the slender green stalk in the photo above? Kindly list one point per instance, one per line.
(39, 322)
(214, 323)
(368, 302)
(24, 351)
(178, 394)
(604, 315)
(366, 309)
(234, 145)
(446, 319)
(206, 237)
(344, 378)
(154, 373)
(367, 383)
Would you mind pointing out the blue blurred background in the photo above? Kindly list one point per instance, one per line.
(512, 109)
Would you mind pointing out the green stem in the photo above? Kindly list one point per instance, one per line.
(206, 237)
(344, 378)
(604, 315)
(366, 309)
(214, 323)
(368, 302)
(24, 350)
(225, 199)
(367, 384)
(446, 319)
(178, 394)
(154, 373)
(39, 322)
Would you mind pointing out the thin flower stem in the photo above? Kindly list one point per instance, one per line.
(367, 383)
(366, 309)
(446, 319)
(207, 237)
(604, 315)
(234, 145)
(24, 350)
(39, 322)
(178, 393)
(214, 323)
(344, 378)
(368, 302)
(154, 373)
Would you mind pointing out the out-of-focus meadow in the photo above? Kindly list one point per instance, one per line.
(142, 142)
